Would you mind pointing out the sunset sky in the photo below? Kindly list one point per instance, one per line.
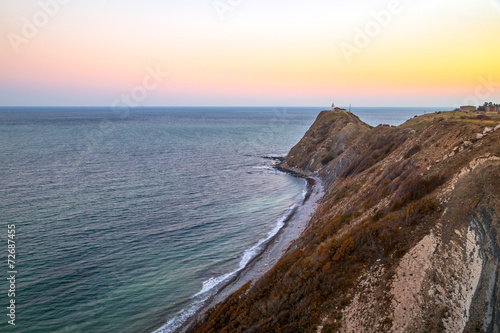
(250, 52)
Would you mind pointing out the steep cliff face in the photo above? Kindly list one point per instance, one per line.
(406, 238)
(328, 138)
(448, 281)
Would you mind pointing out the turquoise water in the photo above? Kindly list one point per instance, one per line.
(127, 221)
(121, 218)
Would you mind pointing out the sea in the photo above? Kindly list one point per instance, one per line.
(128, 220)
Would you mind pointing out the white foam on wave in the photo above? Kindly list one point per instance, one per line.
(209, 285)
(173, 324)
(212, 283)
(263, 167)
(275, 156)
(251, 253)
(254, 251)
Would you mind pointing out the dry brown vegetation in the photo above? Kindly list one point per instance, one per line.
(382, 203)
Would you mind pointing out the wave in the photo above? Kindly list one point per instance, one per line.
(211, 286)
(277, 157)
(266, 168)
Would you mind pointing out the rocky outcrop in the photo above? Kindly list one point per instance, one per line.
(406, 238)
(328, 138)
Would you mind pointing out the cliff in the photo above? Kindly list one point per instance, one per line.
(406, 238)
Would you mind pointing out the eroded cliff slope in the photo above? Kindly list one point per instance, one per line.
(406, 238)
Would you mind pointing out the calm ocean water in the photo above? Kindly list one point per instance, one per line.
(127, 221)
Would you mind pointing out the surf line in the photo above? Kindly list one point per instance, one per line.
(215, 286)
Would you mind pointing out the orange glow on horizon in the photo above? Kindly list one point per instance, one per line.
(410, 57)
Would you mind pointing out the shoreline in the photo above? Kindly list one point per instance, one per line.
(273, 249)
(295, 221)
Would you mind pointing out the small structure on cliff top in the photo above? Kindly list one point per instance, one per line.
(334, 108)
(467, 108)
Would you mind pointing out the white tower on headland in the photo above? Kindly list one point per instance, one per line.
(333, 106)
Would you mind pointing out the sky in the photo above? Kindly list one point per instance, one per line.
(249, 52)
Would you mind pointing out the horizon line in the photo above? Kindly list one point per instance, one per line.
(212, 106)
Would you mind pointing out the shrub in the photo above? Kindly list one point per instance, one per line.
(380, 144)
(483, 117)
(415, 188)
(413, 150)
(327, 159)
(346, 301)
(415, 211)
